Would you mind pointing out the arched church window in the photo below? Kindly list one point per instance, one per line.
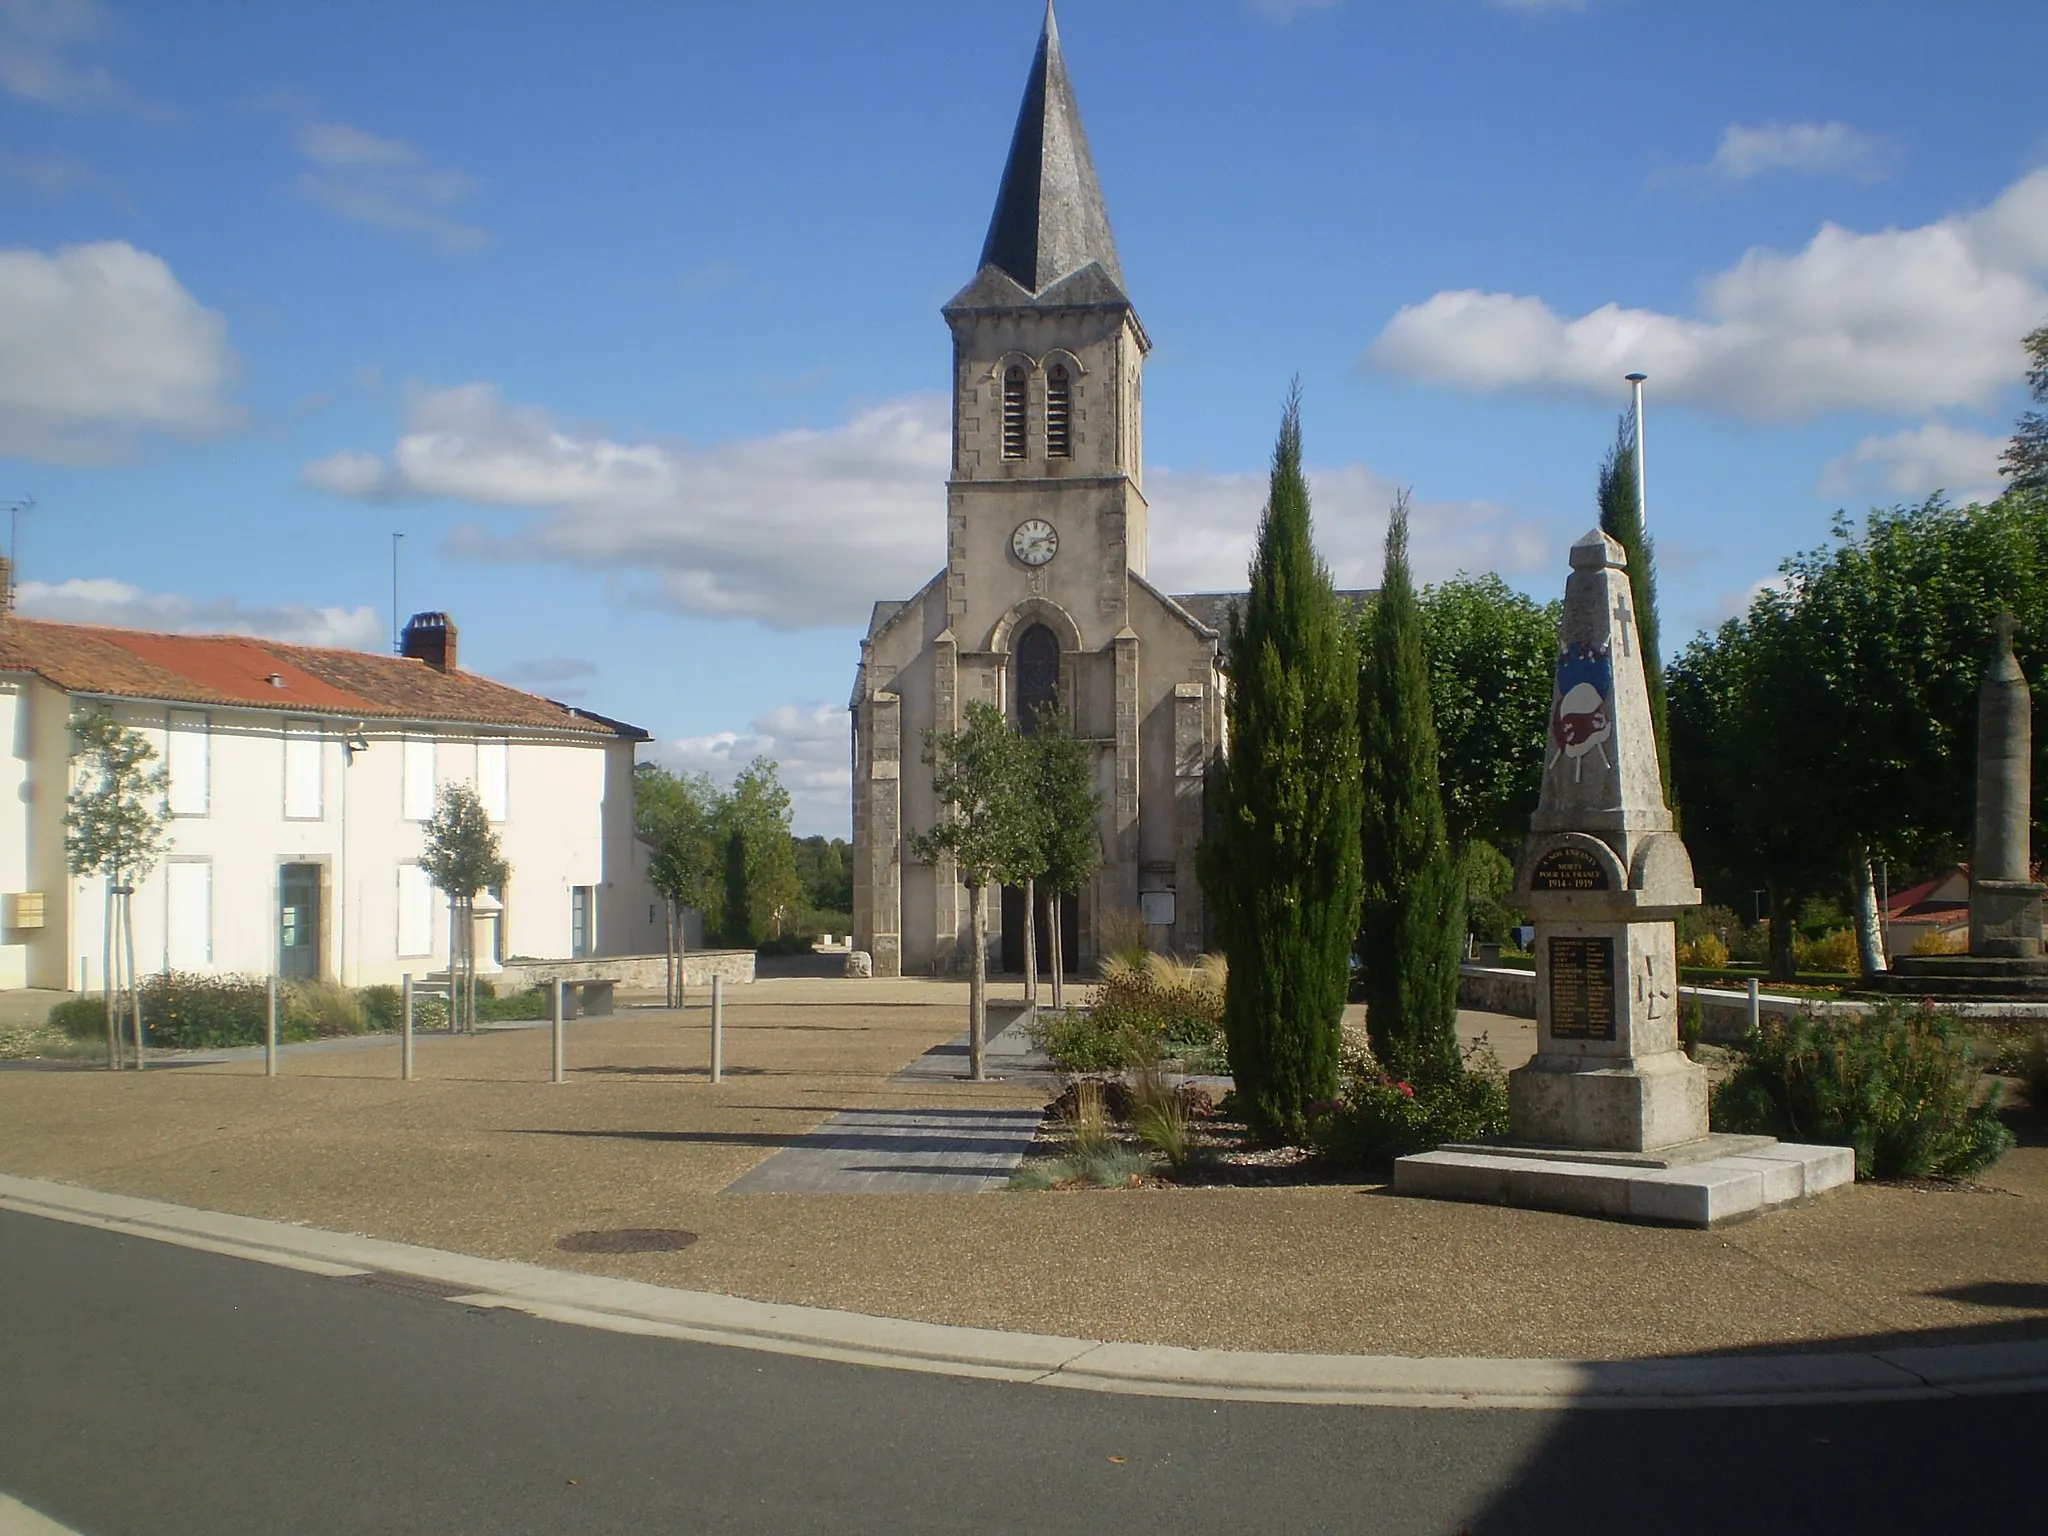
(1059, 413)
(1038, 674)
(1013, 414)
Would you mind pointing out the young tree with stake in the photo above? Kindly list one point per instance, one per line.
(1066, 808)
(676, 817)
(114, 826)
(978, 777)
(462, 857)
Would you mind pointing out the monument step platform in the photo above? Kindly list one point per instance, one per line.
(1744, 1177)
(1980, 977)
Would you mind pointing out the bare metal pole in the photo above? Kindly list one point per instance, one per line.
(1642, 486)
(561, 1074)
(270, 1029)
(405, 1028)
(394, 593)
(717, 1028)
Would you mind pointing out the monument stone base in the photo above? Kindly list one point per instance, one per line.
(2005, 919)
(1635, 1105)
(1704, 1183)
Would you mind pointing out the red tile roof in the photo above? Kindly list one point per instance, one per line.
(238, 670)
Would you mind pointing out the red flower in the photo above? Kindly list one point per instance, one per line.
(1406, 1089)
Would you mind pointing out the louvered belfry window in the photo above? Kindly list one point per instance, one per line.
(1059, 413)
(1013, 414)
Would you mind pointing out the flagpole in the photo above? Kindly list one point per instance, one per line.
(1635, 381)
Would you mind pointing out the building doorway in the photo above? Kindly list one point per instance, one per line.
(1013, 932)
(298, 932)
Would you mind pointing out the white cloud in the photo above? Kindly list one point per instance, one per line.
(97, 342)
(39, 40)
(806, 529)
(1917, 462)
(1203, 526)
(801, 529)
(811, 745)
(101, 600)
(1287, 10)
(374, 180)
(1903, 321)
(1816, 148)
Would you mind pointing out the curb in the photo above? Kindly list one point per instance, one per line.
(634, 1307)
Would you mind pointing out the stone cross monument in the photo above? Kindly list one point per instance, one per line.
(1603, 874)
(2005, 901)
(1610, 1117)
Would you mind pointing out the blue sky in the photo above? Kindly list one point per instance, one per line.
(626, 315)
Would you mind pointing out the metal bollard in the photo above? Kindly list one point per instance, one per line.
(405, 1028)
(270, 1029)
(561, 1060)
(1756, 1012)
(717, 1029)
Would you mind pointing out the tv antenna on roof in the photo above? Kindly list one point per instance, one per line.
(14, 509)
(396, 643)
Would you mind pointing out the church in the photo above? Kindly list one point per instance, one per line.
(1044, 597)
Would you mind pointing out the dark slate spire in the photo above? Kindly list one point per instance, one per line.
(1049, 220)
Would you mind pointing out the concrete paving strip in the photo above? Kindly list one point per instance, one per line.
(958, 1151)
(633, 1307)
(17, 1519)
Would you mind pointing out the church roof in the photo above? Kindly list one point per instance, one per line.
(1219, 610)
(1050, 222)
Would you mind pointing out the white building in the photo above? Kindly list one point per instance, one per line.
(299, 779)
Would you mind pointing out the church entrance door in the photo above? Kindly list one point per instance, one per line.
(1013, 932)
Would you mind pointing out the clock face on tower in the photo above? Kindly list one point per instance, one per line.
(1035, 542)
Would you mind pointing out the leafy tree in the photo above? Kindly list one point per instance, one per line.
(1280, 864)
(1065, 807)
(1492, 659)
(761, 887)
(1837, 719)
(824, 870)
(979, 779)
(114, 823)
(675, 816)
(1413, 921)
(462, 857)
(1621, 517)
(2026, 457)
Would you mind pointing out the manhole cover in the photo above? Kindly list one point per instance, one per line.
(628, 1240)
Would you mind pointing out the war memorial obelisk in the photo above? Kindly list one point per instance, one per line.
(1610, 1117)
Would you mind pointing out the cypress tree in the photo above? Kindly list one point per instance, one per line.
(1621, 518)
(1280, 865)
(1412, 930)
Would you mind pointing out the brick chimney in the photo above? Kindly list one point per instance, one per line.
(430, 637)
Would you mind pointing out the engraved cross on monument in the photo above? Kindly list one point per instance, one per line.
(1610, 1117)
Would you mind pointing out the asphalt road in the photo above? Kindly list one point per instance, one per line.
(155, 1390)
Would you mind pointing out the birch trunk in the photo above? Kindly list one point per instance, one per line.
(1869, 926)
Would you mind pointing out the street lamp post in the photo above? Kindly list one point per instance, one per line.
(1635, 381)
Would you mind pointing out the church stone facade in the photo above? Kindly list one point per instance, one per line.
(1044, 596)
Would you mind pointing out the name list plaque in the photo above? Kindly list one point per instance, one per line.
(1582, 989)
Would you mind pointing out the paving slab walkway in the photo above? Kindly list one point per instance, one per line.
(899, 1152)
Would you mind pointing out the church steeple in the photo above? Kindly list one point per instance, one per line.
(1049, 221)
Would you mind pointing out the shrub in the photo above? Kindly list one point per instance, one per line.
(1144, 1011)
(2034, 1071)
(1899, 1085)
(1124, 935)
(1380, 1118)
(1159, 1114)
(384, 1008)
(1935, 942)
(317, 1010)
(534, 1003)
(1707, 952)
(1835, 951)
(186, 1012)
(1750, 944)
(80, 1018)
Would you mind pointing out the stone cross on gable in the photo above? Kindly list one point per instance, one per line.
(1627, 618)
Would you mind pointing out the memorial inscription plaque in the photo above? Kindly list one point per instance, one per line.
(1568, 869)
(1581, 988)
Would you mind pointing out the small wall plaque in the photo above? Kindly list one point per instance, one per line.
(1568, 869)
(1581, 989)
(1158, 907)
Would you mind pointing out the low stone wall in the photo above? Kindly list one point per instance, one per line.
(635, 973)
